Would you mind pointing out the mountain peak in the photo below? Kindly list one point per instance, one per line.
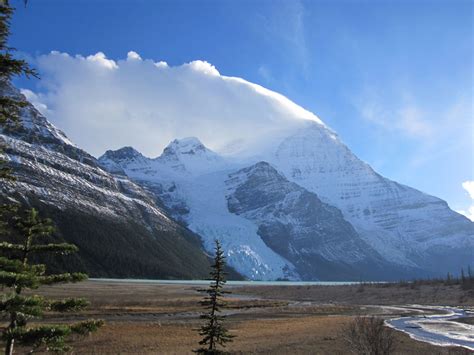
(125, 153)
(262, 167)
(190, 155)
(115, 161)
(187, 146)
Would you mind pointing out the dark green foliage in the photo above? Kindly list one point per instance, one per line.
(19, 245)
(9, 66)
(68, 305)
(18, 273)
(53, 337)
(465, 280)
(213, 331)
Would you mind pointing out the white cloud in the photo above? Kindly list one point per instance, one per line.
(105, 104)
(469, 213)
(133, 56)
(469, 187)
(36, 101)
(411, 120)
(101, 60)
(404, 116)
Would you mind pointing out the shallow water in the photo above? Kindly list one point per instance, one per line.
(440, 329)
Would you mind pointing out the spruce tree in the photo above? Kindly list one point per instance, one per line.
(18, 273)
(213, 331)
(10, 66)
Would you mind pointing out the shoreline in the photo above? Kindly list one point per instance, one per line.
(238, 282)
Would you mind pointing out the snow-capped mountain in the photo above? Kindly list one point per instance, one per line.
(119, 228)
(298, 205)
(295, 223)
(310, 210)
(404, 225)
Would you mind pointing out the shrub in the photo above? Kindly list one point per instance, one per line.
(369, 336)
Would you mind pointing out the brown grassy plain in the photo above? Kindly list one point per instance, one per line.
(161, 319)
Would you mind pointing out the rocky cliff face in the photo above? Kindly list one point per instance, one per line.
(402, 224)
(120, 229)
(296, 224)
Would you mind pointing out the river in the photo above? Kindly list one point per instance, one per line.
(438, 329)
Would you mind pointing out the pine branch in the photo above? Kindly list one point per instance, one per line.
(68, 305)
(87, 327)
(10, 66)
(19, 280)
(17, 266)
(63, 278)
(29, 306)
(44, 335)
(10, 265)
(61, 248)
(5, 246)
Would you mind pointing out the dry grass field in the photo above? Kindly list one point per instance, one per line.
(162, 319)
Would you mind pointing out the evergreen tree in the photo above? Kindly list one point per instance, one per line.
(213, 331)
(10, 67)
(10, 107)
(18, 273)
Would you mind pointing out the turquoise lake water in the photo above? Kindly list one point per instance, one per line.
(233, 283)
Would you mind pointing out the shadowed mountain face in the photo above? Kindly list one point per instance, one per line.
(119, 228)
(295, 223)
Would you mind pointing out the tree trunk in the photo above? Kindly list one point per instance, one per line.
(9, 347)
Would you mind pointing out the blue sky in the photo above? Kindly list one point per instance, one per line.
(393, 78)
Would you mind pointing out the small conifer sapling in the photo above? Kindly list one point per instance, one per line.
(213, 330)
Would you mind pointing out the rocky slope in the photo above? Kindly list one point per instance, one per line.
(120, 229)
(404, 225)
(295, 223)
